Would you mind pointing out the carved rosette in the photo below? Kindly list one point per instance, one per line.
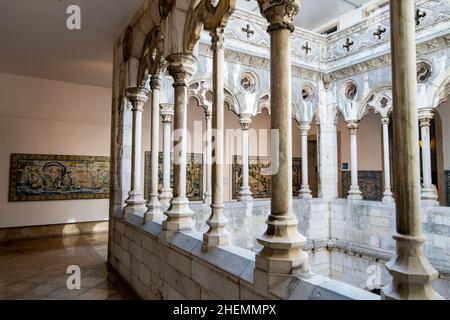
(138, 96)
(167, 112)
(352, 127)
(279, 13)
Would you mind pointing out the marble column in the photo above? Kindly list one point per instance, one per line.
(283, 245)
(154, 212)
(354, 193)
(245, 194)
(135, 204)
(208, 162)
(166, 190)
(305, 192)
(411, 272)
(179, 216)
(428, 194)
(216, 234)
(387, 195)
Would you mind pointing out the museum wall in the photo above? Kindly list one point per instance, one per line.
(40, 116)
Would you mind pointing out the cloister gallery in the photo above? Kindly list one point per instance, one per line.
(253, 158)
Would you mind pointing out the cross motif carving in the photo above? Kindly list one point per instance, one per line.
(306, 48)
(420, 15)
(379, 32)
(348, 44)
(248, 31)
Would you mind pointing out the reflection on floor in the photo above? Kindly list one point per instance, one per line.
(36, 269)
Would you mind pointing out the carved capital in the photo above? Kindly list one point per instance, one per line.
(245, 120)
(155, 82)
(425, 117)
(304, 128)
(137, 96)
(181, 67)
(353, 127)
(385, 121)
(167, 112)
(279, 13)
(217, 39)
(208, 114)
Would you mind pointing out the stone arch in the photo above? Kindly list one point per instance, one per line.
(442, 89)
(378, 100)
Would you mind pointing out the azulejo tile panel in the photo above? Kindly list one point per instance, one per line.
(370, 184)
(194, 175)
(35, 177)
(259, 180)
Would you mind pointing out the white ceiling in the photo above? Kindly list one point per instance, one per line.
(35, 41)
(313, 13)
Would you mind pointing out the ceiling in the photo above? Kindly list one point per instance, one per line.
(36, 42)
(313, 13)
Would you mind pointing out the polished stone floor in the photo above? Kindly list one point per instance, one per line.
(36, 269)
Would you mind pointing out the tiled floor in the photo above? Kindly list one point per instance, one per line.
(36, 269)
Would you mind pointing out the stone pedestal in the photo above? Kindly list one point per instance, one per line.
(412, 274)
(135, 204)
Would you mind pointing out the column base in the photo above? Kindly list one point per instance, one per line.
(388, 197)
(216, 235)
(245, 195)
(305, 193)
(154, 210)
(283, 247)
(179, 218)
(412, 273)
(354, 194)
(164, 197)
(207, 197)
(429, 197)
(135, 205)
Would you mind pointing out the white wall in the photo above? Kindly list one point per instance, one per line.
(51, 117)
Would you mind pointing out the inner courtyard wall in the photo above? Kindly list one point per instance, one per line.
(39, 116)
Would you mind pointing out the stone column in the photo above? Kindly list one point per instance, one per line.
(135, 202)
(387, 195)
(179, 216)
(166, 191)
(283, 245)
(154, 212)
(216, 234)
(208, 150)
(305, 192)
(428, 194)
(354, 193)
(245, 194)
(412, 273)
